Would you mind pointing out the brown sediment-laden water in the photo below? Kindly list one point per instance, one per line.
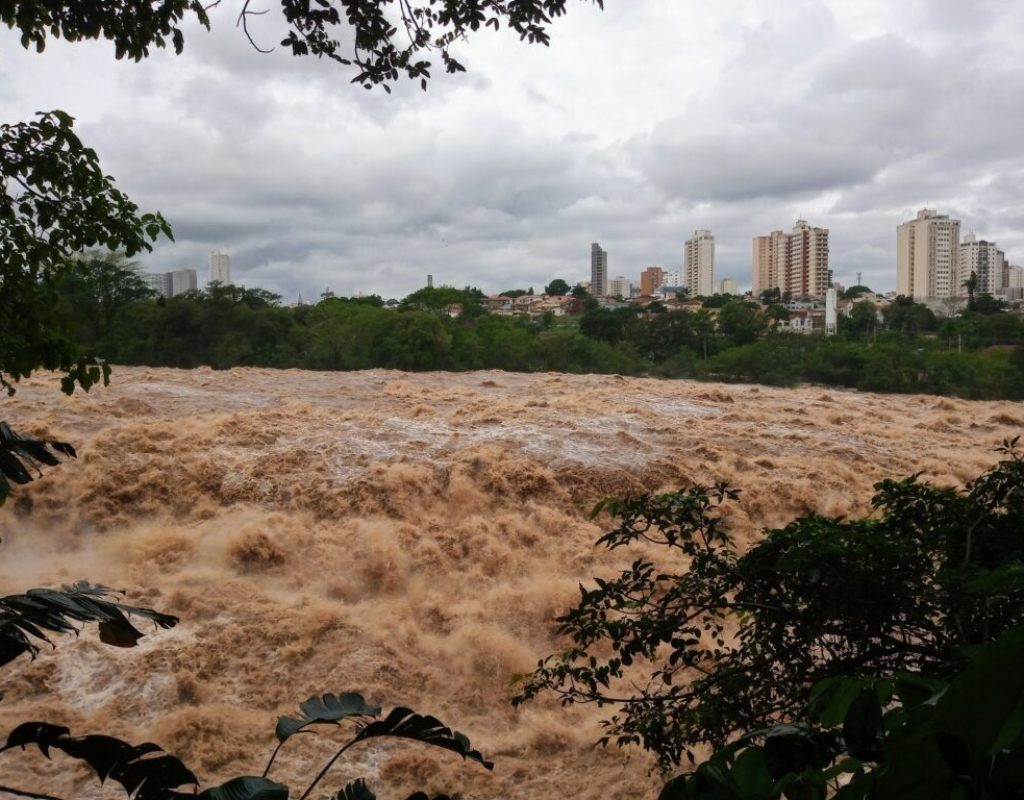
(407, 536)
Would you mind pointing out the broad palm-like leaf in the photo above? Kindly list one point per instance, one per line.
(247, 787)
(144, 775)
(20, 456)
(357, 790)
(404, 723)
(328, 709)
(25, 619)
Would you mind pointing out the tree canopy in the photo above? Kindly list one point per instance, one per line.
(380, 39)
(733, 642)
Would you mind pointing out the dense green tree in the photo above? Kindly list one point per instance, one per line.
(416, 340)
(777, 312)
(438, 299)
(665, 334)
(769, 296)
(55, 203)
(610, 325)
(986, 304)
(557, 287)
(94, 289)
(734, 640)
(861, 322)
(741, 322)
(344, 335)
(908, 317)
(718, 300)
(971, 285)
(856, 291)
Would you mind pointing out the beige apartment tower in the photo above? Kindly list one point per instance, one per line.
(651, 279)
(985, 260)
(700, 264)
(598, 271)
(795, 263)
(928, 256)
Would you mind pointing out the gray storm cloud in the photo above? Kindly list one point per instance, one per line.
(635, 127)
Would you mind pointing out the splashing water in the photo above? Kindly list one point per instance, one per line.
(410, 537)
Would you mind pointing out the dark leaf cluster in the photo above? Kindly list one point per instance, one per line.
(904, 737)
(21, 456)
(25, 619)
(55, 202)
(147, 776)
(722, 642)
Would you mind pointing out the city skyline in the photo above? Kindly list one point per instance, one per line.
(777, 111)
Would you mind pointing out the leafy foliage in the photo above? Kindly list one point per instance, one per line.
(56, 201)
(144, 775)
(134, 27)
(327, 710)
(21, 455)
(25, 619)
(734, 641)
(907, 737)
(358, 33)
(406, 724)
(247, 787)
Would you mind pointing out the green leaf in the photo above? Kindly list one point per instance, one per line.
(328, 709)
(404, 723)
(25, 618)
(21, 456)
(862, 726)
(247, 787)
(356, 790)
(750, 772)
(831, 699)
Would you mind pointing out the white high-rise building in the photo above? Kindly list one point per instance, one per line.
(220, 268)
(674, 278)
(170, 284)
(928, 256)
(700, 264)
(1014, 283)
(728, 286)
(598, 270)
(183, 280)
(620, 286)
(159, 282)
(986, 261)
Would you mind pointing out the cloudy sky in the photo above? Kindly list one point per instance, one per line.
(636, 126)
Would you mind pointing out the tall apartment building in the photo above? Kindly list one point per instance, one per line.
(728, 286)
(927, 256)
(673, 277)
(159, 282)
(598, 270)
(619, 287)
(795, 263)
(183, 280)
(769, 260)
(220, 268)
(986, 261)
(700, 264)
(1014, 283)
(169, 284)
(651, 279)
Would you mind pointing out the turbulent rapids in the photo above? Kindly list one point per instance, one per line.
(410, 537)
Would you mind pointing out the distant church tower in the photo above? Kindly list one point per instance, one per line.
(220, 268)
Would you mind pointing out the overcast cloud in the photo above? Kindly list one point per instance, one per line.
(635, 127)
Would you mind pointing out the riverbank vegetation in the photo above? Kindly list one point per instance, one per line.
(108, 311)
